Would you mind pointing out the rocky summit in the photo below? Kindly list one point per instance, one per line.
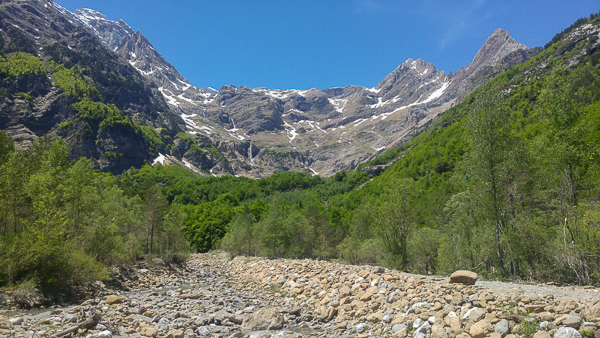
(214, 296)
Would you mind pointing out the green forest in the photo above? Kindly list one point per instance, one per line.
(506, 183)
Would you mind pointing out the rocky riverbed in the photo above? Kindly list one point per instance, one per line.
(214, 296)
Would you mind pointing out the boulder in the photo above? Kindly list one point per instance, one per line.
(345, 291)
(113, 299)
(263, 319)
(438, 331)
(593, 312)
(502, 327)
(421, 332)
(572, 321)
(567, 332)
(175, 334)
(464, 277)
(398, 327)
(149, 331)
(481, 329)
(376, 317)
(16, 320)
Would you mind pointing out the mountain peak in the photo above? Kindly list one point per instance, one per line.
(90, 14)
(497, 46)
(500, 32)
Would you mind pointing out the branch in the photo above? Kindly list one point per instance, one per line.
(89, 323)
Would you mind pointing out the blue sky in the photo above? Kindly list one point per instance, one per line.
(328, 43)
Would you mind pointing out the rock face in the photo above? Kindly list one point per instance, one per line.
(42, 102)
(464, 277)
(263, 319)
(140, 53)
(313, 131)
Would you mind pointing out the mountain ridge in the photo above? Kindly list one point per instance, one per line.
(258, 131)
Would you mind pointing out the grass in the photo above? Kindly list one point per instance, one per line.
(528, 328)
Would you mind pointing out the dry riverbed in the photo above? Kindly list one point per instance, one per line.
(213, 296)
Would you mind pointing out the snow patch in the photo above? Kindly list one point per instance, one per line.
(437, 93)
(338, 104)
(381, 103)
(170, 99)
(161, 158)
(291, 131)
(180, 96)
(358, 122)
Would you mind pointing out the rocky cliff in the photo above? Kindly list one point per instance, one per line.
(60, 79)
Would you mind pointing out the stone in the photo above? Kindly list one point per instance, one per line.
(113, 299)
(341, 325)
(438, 331)
(234, 319)
(567, 332)
(203, 331)
(464, 277)
(542, 334)
(398, 327)
(455, 324)
(477, 314)
(366, 297)
(104, 334)
(401, 334)
(175, 334)
(376, 317)
(149, 331)
(16, 320)
(593, 312)
(572, 321)
(263, 319)
(386, 319)
(421, 332)
(330, 312)
(481, 329)
(502, 327)
(345, 291)
(70, 318)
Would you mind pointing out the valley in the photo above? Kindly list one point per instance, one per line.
(186, 211)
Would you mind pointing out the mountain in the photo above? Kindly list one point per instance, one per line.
(60, 79)
(309, 130)
(140, 53)
(100, 71)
